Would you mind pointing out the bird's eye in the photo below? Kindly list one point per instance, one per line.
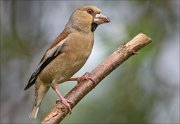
(90, 11)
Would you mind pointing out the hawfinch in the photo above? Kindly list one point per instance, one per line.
(66, 55)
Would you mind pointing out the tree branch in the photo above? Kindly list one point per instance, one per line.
(60, 111)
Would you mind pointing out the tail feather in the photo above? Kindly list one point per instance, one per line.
(34, 112)
(40, 92)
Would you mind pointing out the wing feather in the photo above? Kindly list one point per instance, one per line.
(54, 50)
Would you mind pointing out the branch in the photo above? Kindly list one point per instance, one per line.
(125, 51)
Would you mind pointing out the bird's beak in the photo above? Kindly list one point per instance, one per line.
(101, 19)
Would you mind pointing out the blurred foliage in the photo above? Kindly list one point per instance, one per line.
(128, 95)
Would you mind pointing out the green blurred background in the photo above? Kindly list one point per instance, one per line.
(143, 90)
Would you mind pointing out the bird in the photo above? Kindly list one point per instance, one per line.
(66, 55)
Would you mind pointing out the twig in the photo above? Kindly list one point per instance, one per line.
(60, 111)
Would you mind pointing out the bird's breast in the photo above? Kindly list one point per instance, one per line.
(74, 55)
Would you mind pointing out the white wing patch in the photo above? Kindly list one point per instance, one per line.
(53, 51)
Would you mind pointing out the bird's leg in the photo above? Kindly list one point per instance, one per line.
(86, 76)
(63, 100)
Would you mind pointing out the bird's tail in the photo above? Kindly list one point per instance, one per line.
(40, 92)
(34, 112)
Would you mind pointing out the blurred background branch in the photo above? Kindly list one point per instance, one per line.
(28, 27)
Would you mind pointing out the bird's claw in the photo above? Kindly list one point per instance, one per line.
(66, 103)
(86, 76)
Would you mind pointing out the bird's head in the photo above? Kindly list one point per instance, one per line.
(87, 18)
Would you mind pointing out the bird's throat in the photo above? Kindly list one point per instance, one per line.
(93, 27)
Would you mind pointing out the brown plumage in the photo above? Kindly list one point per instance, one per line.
(67, 54)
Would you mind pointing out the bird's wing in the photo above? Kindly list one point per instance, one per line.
(54, 50)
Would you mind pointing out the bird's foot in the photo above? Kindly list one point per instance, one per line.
(86, 76)
(65, 102)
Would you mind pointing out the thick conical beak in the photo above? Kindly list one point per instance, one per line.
(101, 19)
